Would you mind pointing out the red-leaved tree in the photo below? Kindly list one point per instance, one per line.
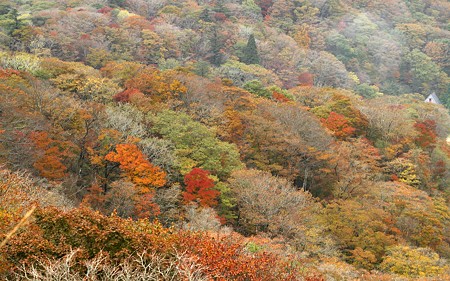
(200, 188)
(127, 95)
(427, 133)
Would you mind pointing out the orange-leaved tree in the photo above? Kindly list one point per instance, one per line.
(51, 155)
(139, 171)
(136, 168)
(339, 125)
(200, 188)
(159, 86)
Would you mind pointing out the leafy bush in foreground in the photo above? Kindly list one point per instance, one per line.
(117, 243)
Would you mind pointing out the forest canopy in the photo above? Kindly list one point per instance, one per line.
(225, 139)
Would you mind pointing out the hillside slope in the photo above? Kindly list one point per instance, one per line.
(292, 135)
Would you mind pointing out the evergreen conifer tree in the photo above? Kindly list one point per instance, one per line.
(251, 52)
(205, 15)
(216, 57)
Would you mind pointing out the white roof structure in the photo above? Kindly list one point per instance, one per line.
(433, 99)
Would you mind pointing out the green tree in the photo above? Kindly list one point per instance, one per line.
(251, 9)
(205, 15)
(216, 55)
(425, 75)
(14, 27)
(251, 52)
(257, 88)
(196, 145)
(10, 19)
(366, 90)
(202, 68)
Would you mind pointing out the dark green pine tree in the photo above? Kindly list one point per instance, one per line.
(220, 7)
(216, 56)
(205, 15)
(202, 68)
(250, 55)
(12, 25)
(116, 3)
(9, 19)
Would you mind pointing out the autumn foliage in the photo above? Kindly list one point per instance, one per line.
(279, 97)
(53, 234)
(302, 123)
(160, 87)
(136, 168)
(52, 154)
(200, 188)
(126, 95)
(426, 133)
(306, 79)
(339, 125)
